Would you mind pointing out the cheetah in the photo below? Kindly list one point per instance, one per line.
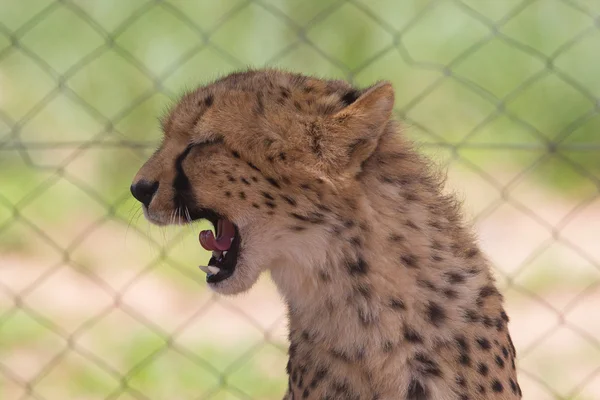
(388, 295)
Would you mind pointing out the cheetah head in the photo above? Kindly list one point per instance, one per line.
(264, 156)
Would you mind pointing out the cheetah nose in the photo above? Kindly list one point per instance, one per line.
(144, 190)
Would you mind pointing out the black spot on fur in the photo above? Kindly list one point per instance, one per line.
(242, 195)
(427, 284)
(487, 291)
(504, 316)
(282, 156)
(513, 386)
(484, 343)
(455, 277)
(208, 101)
(483, 369)
(427, 366)
(270, 204)
(411, 335)
(268, 196)
(228, 194)
(488, 322)
(358, 267)
(254, 179)
(314, 218)
(255, 205)
(397, 304)
(472, 252)
(497, 386)
(505, 352)
(245, 181)
(273, 182)
(231, 178)
(289, 200)
(480, 389)
(462, 344)
(461, 381)
(363, 290)
(512, 346)
(464, 359)
(412, 225)
(254, 167)
(235, 154)
(499, 361)
(499, 324)
(416, 391)
(436, 313)
(396, 238)
(450, 294)
(471, 316)
(409, 260)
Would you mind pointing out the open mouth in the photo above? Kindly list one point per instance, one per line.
(225, 246)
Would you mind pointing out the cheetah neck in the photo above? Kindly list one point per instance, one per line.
(395, 291)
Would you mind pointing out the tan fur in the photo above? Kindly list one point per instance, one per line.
(388, 294)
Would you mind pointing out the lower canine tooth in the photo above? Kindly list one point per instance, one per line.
(214, 270)
(204, 268)
(224, 253)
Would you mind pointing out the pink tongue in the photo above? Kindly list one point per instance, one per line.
(223, 242)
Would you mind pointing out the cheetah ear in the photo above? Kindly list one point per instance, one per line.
(358, 126)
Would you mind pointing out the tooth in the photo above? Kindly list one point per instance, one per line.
(231, 240)
(225, 253)
(214, 270)
(204, 268)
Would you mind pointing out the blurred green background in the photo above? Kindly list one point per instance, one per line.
(97, 304)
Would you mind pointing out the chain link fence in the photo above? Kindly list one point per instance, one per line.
(97, 304)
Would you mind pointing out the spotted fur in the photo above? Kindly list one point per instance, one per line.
(388, 295)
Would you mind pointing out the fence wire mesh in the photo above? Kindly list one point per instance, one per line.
(96, 304)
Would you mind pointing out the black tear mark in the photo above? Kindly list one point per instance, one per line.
(350, 97)
(181, 181)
